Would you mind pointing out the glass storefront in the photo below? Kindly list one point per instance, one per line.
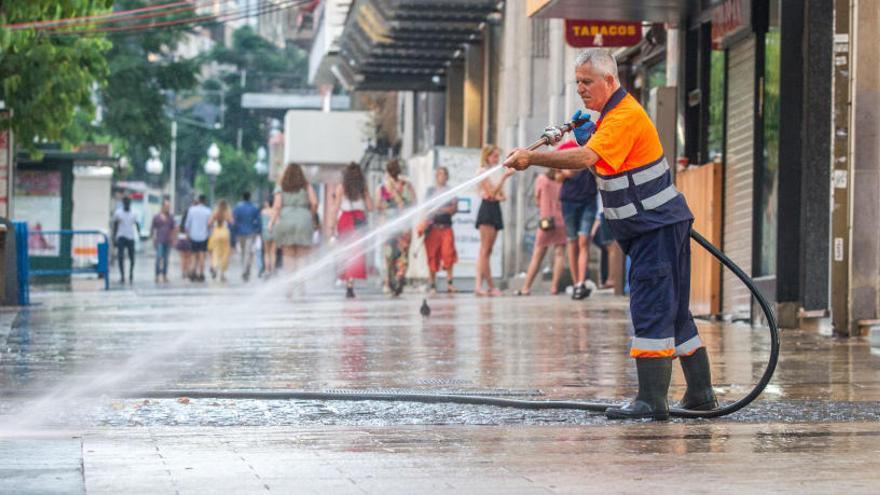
(655, 78)
(768, 182)
(717, 72)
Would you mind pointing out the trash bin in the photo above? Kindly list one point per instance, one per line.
(9, 293)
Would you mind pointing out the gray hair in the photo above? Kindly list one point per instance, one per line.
(600, 58)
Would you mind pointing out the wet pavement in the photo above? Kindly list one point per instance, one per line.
(80, 372)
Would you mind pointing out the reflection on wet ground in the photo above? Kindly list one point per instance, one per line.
(552, 344)
(814, 430)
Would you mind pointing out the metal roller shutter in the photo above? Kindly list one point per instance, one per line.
(738, 180)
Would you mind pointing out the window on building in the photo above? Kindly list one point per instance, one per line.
(655, 77)
(717, 72)
(769, 176)
(540, 38)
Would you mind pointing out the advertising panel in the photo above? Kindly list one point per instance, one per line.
(38, 202)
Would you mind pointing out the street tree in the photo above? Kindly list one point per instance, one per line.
(142, 68)
(47, 78)
(259, 66)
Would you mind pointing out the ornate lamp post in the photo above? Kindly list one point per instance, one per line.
(262, 169)
(213, 167)
(154, 165)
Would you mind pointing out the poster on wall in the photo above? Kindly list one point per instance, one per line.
(38, 202)
(5, 167)
(462, 164)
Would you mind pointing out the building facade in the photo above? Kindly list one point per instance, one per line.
(777, 95)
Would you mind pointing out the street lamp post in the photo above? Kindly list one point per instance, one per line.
(176, 119)
(262, 169)
(172, 196)
(213, 167)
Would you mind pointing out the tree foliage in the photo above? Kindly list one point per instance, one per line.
(260, 66)
(257, 66)
(238, 174)
(47, 78)
(142, 68)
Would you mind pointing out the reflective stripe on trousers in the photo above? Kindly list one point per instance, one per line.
(645, 347)
(689, 347)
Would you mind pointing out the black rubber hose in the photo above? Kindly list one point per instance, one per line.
(774, 339)
(514, 403)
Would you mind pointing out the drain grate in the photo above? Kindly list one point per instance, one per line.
(443, 381)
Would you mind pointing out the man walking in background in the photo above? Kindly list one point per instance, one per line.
(162, 232)
(247, 226)
(198, 219)
(578, 196)
(125, 228)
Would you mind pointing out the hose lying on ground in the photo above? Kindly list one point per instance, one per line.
(599, 407)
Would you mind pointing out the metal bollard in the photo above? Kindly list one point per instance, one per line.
(104, 263)
(22, 260)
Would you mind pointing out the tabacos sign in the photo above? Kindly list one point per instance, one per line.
(584, 34)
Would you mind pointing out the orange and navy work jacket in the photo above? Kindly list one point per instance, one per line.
(638, 194)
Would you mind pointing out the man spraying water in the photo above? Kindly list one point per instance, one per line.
(651, 221)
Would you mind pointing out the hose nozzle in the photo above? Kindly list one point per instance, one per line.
(553, 135)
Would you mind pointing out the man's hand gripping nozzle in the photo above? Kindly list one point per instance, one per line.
(553, 135)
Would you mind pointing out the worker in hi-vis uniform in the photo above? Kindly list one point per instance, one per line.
(651, 221)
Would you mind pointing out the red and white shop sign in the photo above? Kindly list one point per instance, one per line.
(730, 18)
(5, 163)
(581, 33)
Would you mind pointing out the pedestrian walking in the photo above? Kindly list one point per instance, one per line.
(602, 238)
(352, 202)
(184, 246)
(550, 233)
(162, 232)
(393, 196)
(220, 240)
(578, 195)
(489, 220)
(198, 228)
(439, 237)
(651, 221)
(268, 241)
(247, 226)
(125, 227)
(293, 209)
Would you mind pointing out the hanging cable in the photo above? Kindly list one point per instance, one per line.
(131, 18)
(70, 20)
(265, 8)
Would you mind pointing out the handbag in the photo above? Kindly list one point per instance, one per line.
(547, 223)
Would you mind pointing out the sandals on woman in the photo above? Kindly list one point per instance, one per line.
(493, 292)
(521, 292)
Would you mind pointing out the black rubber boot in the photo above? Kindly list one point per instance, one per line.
(699, 395)
(651, 402)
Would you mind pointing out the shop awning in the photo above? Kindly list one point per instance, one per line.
(407, 44)
(613, 10)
